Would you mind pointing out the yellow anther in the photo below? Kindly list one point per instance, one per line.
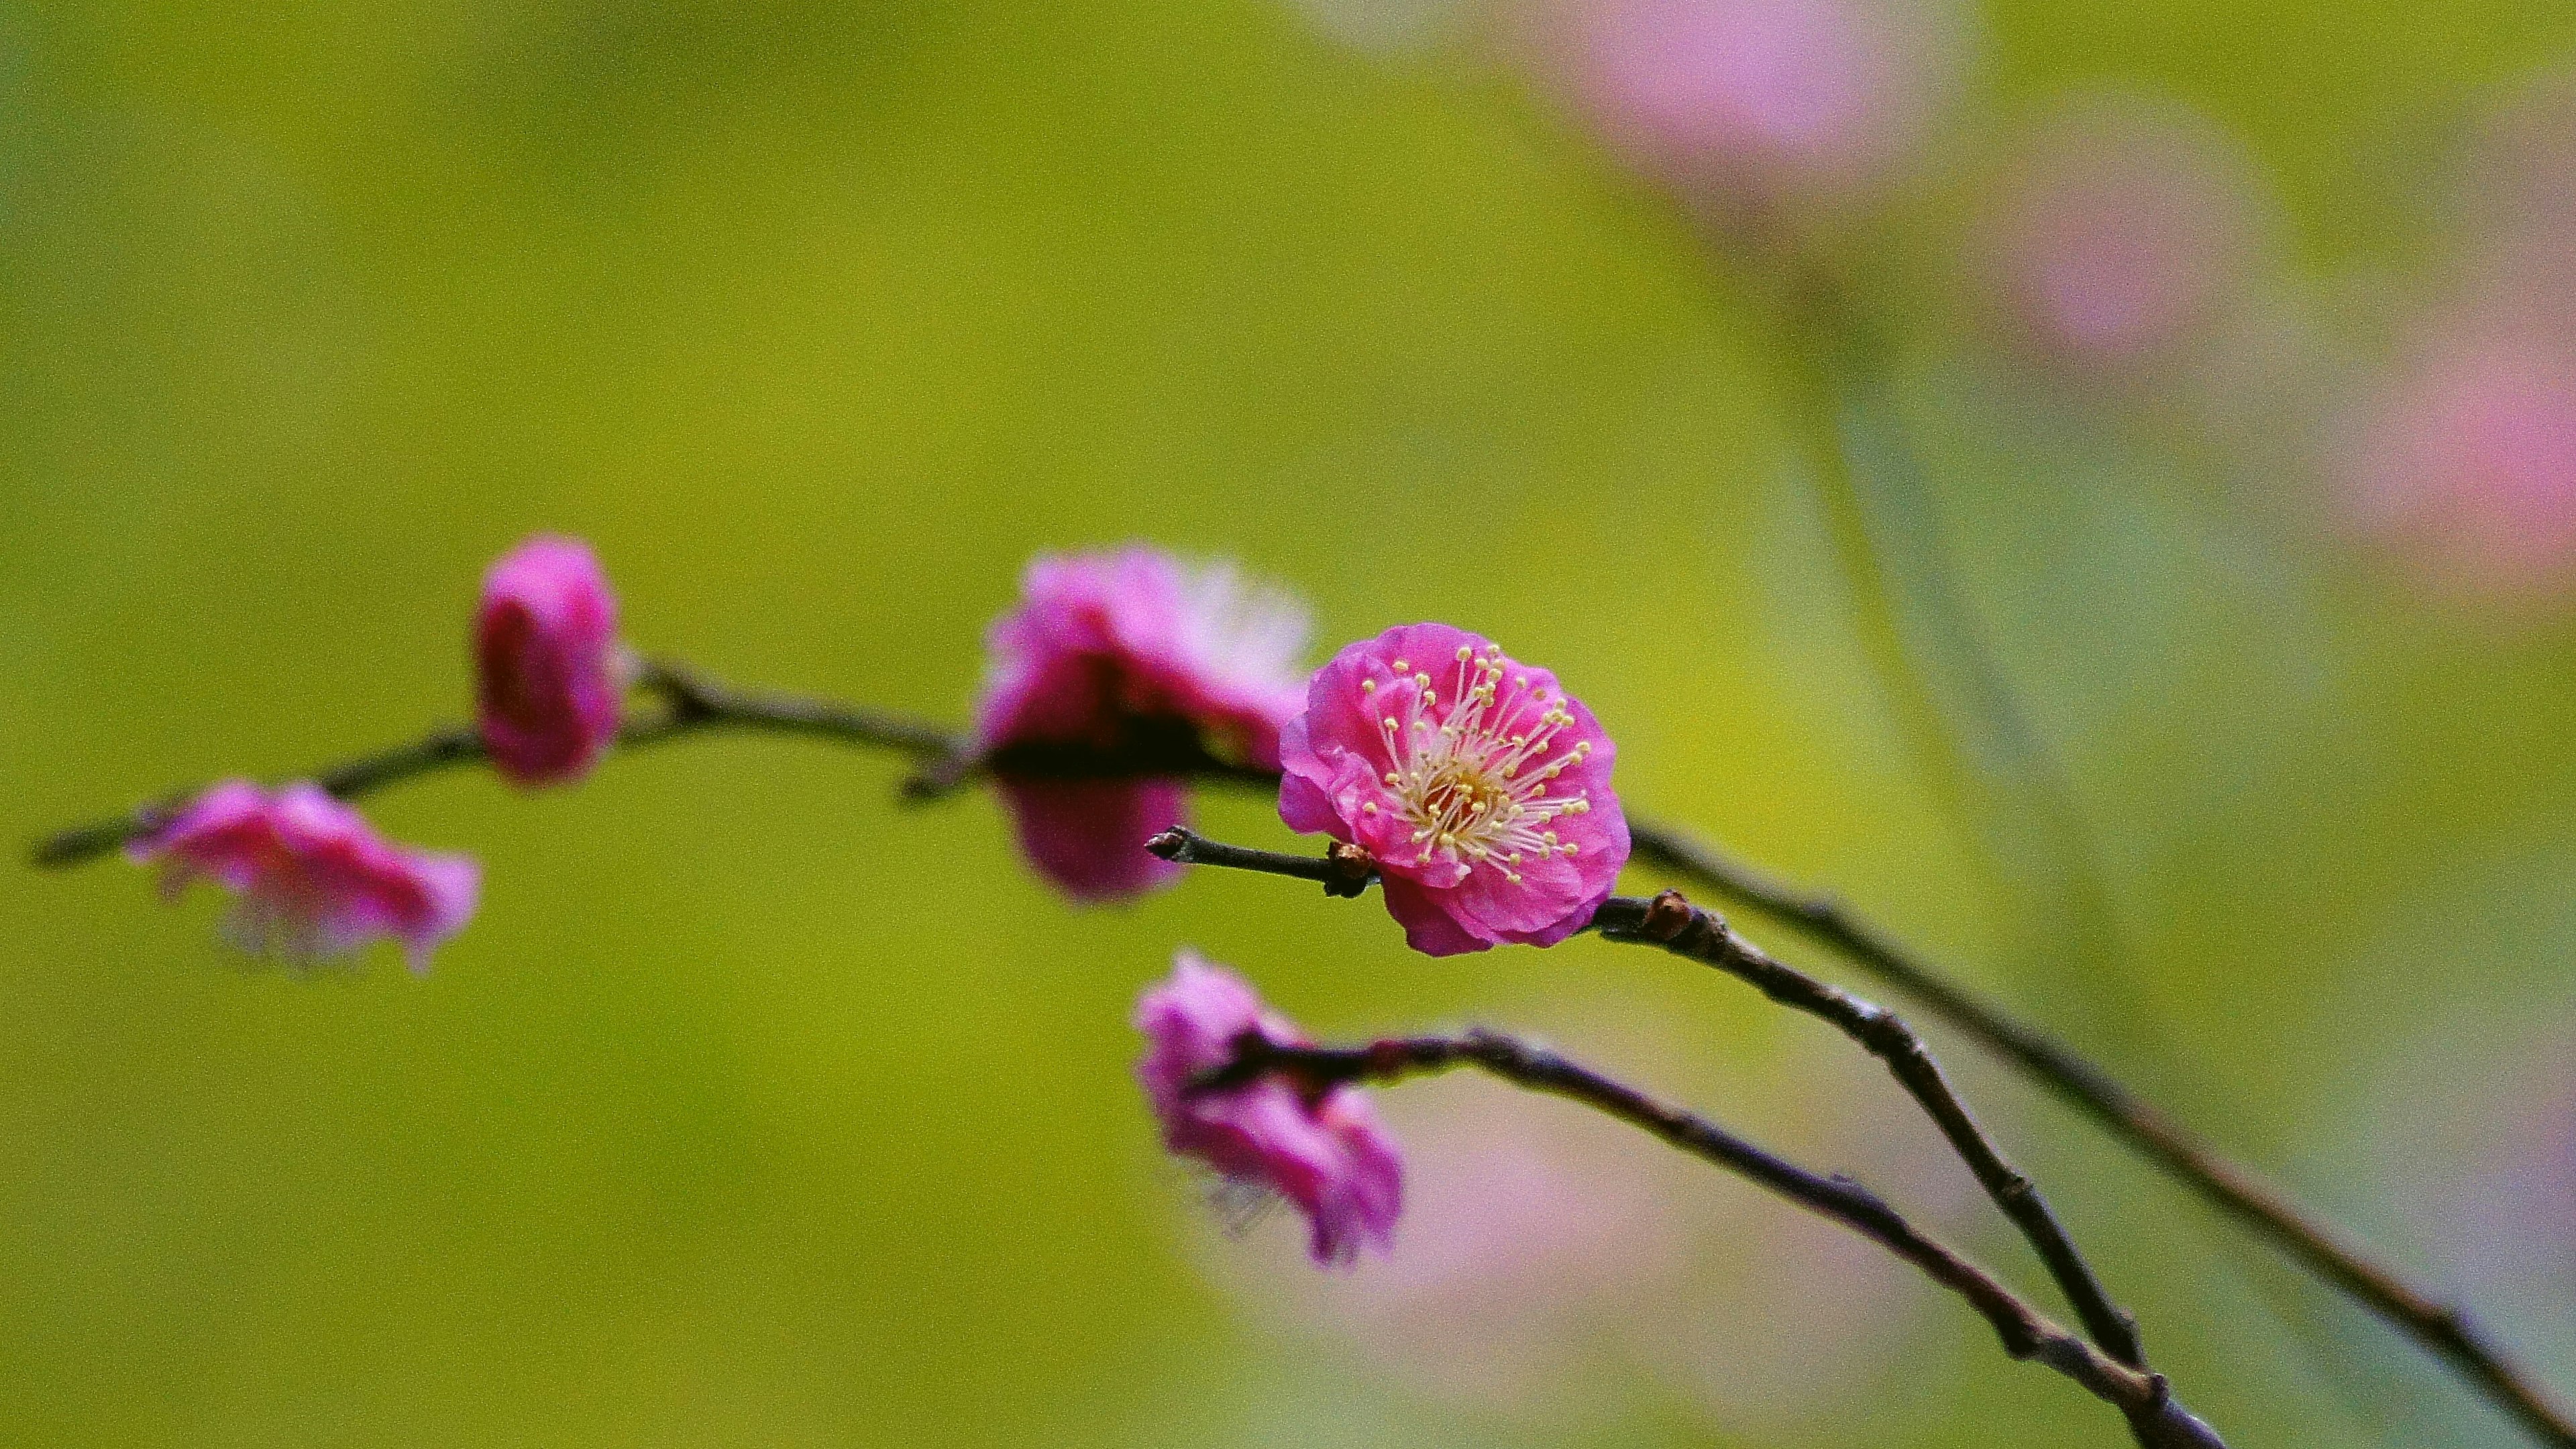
(1368, 686)
(1465, 653)
(1403, 668)
(1368, 807)
(1568, 847)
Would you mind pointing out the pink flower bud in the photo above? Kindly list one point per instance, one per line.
(313, 878)
(1480, 787)
(1327, 1154)
(547, 663)
(1115, 651)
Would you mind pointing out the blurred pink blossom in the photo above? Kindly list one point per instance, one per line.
(548, 675)
(2463, 459)
(1746, 106)
(2517, 224)
(1479, 785)
(314, 880)
(1533, 1226)
(2119, 236)
(1550, 1254)
(1108, 649)
(1325, 1152)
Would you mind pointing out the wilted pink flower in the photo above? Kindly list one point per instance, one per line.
(2466, 460)
(1325, 1152)
(1746, 103)
(1131, 650)
(1480, 787)
(2119, 234)
(315, 880)
(547, 663)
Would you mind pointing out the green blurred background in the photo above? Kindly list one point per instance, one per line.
(754, 1109)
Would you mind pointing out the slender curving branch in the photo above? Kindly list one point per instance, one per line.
(2155, 1416)
(2441, 1328)
(691, 705)
(1673, 923)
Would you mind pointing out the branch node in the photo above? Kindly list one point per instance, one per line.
(1668, 915)
(1352, 869)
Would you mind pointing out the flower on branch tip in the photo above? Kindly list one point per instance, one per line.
(1130, 654)
(548, 671)
(314, 879)
(1480, 787)
(1325, 1152)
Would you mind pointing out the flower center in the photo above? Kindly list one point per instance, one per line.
(1474, 776)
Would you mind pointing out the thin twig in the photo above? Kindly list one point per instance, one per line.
(1673, 923)
(696, 706)
(2156, 1418)
(2441, 1328)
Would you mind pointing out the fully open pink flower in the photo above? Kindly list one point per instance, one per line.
(1325, 1153)
(1481, 788)
(314, 879)
(1131, 651)
(547, 663)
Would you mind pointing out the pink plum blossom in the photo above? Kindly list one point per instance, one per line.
(1480, 788)
(2121, 233)
(1747, 104)
(1124, 651)
(1325, 1152)
(548, 669)
(2465, 460)
(313, 878)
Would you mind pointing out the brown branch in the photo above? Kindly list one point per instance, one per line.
(2155, 1417)
(693, 705)
(1673, 923)
(2441, 1328)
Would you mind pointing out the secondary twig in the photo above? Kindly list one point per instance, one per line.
(692, 704)
(2158, 1420)
(2441, 1328)
(1673, 923)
